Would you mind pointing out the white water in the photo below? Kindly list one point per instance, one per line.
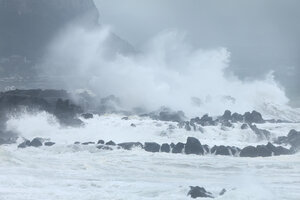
(66, 171)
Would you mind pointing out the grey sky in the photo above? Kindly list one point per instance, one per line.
(261, 34)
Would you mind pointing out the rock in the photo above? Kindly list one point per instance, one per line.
(111, 143)
(24, 144)
(196, 191)
(222, 150)
(254, 117)
(223, 191)
(193, 146)
(178, 148)
(100, 142)
(76, 142)
(244, 126)
(206, 121)
(226, 116)
(132, 125)
(227, 124)
(249, 151)
(165, 148)
(261, 133)
(187, 126)
(49, 144)
(151, 147)
(130, 145)
(263, 151)
(36, 142)
(236, 117)
(87, 143)
(235, 150)
(278, 150)
(205, 148)
(214, 149)
(125, 118)
(172, 145)
(87, 115)
(104, 147)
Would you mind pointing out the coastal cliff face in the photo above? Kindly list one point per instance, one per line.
(26, 26)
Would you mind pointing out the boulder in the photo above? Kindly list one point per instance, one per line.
(100, 142)
(196, 191)
(165, 148)
(111, 143)
(205, 148)
(178, 148)
(24, 144)
(263, 151)
(226, 116)
(104, 147)
(193, 146)
(87, 143)
(222, 150)
(236, 117)
(244, 126)
(278, 150)
(249, 151)
(130, 145)
(49, 144)
(151, 147)
(36, 142)
(253, 117)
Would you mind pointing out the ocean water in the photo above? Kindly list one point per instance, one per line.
(67, 171)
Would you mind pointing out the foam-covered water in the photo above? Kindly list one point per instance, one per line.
(67, 171)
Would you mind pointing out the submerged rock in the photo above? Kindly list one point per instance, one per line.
(24, 144)
(111, 143)
(49, 144)
(130, 145)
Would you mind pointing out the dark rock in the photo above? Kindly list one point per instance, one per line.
(165, 148)
(104, 147)
(111, 143)
(263, 151)
(227, 115)
(222, 150)
(227, 124)
(249, 151)
(206, 121)
(24, 144)
(87, 115)
(187, 126)
(130, 145)
(172, 145)
(254, 117)
(278, 150)
(214, 149)
(36, 142)
(178, 148)
(151, 147)
(132, 125)
(244, 126)
(223, 191)
(205, 148)
(196, 191)
(193, 146)
(125, 118)
(236, 117)
(76, 142)
(261, 133)
(100, 142)
(235, 150)
(87, 143)
(49, 144)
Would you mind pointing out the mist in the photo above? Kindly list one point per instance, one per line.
(167, 71)
(261, 35)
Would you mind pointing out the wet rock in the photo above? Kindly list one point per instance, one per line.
(222, 150)
(49, 144)
(227, 124)
(24, 144)
(76, 142)
(87, 143)
(236, 117)
(178, 148)
(172, 145)
(132, 125)
(226, 116)
(263, 151)
(214, 149)
(87, 115)
(253, 117)
(100, 142)
(111, 143)
(249, 151)
(205, 148)
(151, 147)
(223, 191)
(278, 150)
(235, 150)
(165, 148)
(261, 133)
(104, 147)
(193, 146)
(125, 118)
(36, 142)
(244, 126)
(196, 191)
(130, 145)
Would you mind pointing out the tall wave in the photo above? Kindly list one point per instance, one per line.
(168, 71)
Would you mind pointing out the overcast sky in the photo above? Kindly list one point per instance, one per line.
(261, 34)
